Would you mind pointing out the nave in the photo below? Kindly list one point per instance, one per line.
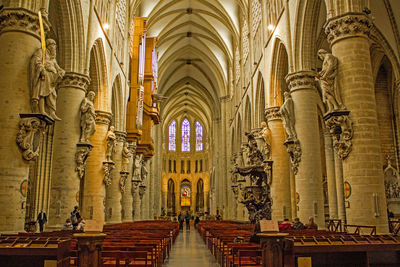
(190, 250)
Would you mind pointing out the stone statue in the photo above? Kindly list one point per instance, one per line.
(44, 79)
(110, 143)
(88, 117)
(288, 117)
(126, 155)
(327, 81)
(266, 135)
(138, 167)
(144, 171)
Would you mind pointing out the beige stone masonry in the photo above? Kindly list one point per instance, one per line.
(309, 175)
(362, 169)
(65, 184)
(280, 189)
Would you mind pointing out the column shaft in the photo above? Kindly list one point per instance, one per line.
(330, 176)
(280, 189)
(65, 181)
(362, 168)
(309, 175)
(340, 188)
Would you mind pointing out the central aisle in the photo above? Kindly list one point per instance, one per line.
(190, 250)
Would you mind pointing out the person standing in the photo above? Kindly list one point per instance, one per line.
(187, 219)
(180, 220)
(75, 216)
(41, 219)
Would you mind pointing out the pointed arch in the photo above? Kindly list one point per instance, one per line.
(185, 135)
(280, 68)
(117, 105)
(172, 136)
(98, 75)
(199, 136)
(260, 100)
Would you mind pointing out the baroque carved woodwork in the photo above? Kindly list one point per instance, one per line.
(30, 130)
(81, 156)
(341, 128)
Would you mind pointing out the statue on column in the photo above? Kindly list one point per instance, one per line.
(137, 167)
(45, 74)
(144, 171)
(327, 78)
(110, 143)
(288, 117)
(126, 155)
(88, 117)
(266, 135)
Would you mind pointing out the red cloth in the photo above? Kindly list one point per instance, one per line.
(285, 226)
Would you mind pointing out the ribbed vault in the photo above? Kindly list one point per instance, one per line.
(195, 45)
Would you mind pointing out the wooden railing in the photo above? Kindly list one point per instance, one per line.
(360, 229)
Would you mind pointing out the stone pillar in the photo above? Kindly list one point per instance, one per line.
(142, 205)
(330, 176)
(362, 168)
(309, 174)
(65, 184)
(19, 38)
(93, 202)
(340, 188)
(136, 201)
(113, 191)
(280, 189)
(293, 193)
(127, 205)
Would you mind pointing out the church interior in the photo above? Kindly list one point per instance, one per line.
(123, 120)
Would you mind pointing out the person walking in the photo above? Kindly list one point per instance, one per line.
(41, 219)
(180, 220)
(187, 219)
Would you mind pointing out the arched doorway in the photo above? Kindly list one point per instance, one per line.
(186, 195)
(200, 196)
(171, 208)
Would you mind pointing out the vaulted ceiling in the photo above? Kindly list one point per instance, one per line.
(196, 46)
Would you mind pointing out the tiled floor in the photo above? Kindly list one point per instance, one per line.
(190, 250)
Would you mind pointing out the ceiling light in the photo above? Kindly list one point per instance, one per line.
(106, 26)
(270, 27)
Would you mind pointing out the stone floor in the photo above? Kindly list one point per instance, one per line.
(190, 250)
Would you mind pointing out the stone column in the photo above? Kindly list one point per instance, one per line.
(293, 199)
(362, 168)
(136, 201)
(280, 189)
(93, 202)
(113, 191)
(309, 174)
(19, 38)
(340, 188)
(330, 176)
(65, 184)
(126, 201)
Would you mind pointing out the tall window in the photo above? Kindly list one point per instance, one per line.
(185, 135)
(172, 136)
(199, 136)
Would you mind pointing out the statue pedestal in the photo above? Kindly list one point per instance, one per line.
(42, 117)
(89, 249)
(272, 245)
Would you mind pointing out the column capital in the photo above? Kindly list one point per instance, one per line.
(347, 25)
(75, 80)
(21, 20)
(120, 135)
(272, 114)
(103, 117)
(301, 80)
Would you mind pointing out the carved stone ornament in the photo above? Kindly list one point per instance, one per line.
(108, 166)
(88, 117)
(272, 113)
(341, 128)
(122, 181)
(75, 80)
(81, 155)
(347, 25)
(21, 20)
(142, 190)
(135, 185)
(31, 127)
(294, 149)
(301, 80)
(110, 140)
(103, 117)
(391, 180)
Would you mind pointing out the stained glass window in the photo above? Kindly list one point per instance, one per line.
(185, 135)
(172, 136)
(199, 136)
